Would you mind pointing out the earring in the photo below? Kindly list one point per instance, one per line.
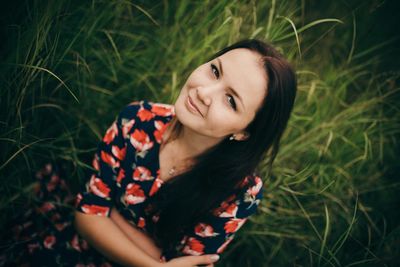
(232, 137)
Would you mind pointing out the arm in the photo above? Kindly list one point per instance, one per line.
(135, 235)
(214, 233)
(105, 236)
(96, 201)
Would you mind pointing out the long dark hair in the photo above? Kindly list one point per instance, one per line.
(189, 197)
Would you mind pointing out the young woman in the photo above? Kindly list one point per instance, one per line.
(171, 185)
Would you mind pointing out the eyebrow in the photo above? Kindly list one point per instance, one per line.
(230, 88)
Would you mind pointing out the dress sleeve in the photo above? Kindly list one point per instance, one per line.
(213, 235)
(98, 195)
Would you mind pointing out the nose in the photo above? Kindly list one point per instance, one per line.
(204, 93)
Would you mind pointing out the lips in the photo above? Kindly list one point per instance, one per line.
(193, 106)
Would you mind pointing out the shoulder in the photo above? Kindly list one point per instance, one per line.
(144, 120)
(252, 190)
(145, 111)
(252, 185)
(250, 196)
(245, 201)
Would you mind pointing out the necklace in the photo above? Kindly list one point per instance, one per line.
(180, 168)
(172, 171)
(187, 163)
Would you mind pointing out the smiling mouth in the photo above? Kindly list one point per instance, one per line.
(193, 106)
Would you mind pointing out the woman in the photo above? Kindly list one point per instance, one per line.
(172, 181)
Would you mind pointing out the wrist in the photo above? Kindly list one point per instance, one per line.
(158, 264)
(161, 262)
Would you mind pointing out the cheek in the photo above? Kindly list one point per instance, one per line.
(180, 100)
(198, 77)
(224, 123)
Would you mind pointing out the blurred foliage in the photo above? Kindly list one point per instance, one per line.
(332, 198)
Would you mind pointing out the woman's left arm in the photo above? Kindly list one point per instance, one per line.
(214, 233)
(138, 237)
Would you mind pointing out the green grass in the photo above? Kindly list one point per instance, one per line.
(331, 199)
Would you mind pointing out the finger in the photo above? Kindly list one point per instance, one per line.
(205, 259)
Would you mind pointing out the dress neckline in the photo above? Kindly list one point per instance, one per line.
(158, 150)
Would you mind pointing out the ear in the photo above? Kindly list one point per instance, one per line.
(241, 136)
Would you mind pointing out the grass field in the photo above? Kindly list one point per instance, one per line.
(332, 198)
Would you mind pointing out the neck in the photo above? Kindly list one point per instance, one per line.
(188, 142)
(193, 144)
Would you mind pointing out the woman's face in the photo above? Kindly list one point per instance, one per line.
(221, 97)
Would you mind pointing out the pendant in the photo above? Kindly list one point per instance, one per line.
(171, 171)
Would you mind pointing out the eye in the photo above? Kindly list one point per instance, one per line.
(215, 71)
(231, 101)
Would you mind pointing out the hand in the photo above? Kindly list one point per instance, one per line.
(191, 261)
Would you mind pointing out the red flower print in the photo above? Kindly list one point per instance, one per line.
(225, 244)
(47, 169)
(111, 133)
(75, 243)
(49, 241)
(107, 158)
(229, 199)
(61, 226)
(155, 218)
(95, 163)
(119, 153)
(253, 191)
(54, 180)
(156, 185)
(162, 110)
(226, 210)
(141, 223)
(95, 209)
(134, 194)
(193, 247)
(144, 114)
(244, 182)
(78, 199)
(84, 244)
(98, 187)
(204, 230)
(46, 207)
(140, 140)
(37, 190)
(121, 175)
(142, 174)
(234, 224)
(160, 126)
(126, 127)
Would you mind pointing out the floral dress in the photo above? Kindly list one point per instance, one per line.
(125, 176)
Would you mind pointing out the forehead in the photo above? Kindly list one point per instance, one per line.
(244, 71)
